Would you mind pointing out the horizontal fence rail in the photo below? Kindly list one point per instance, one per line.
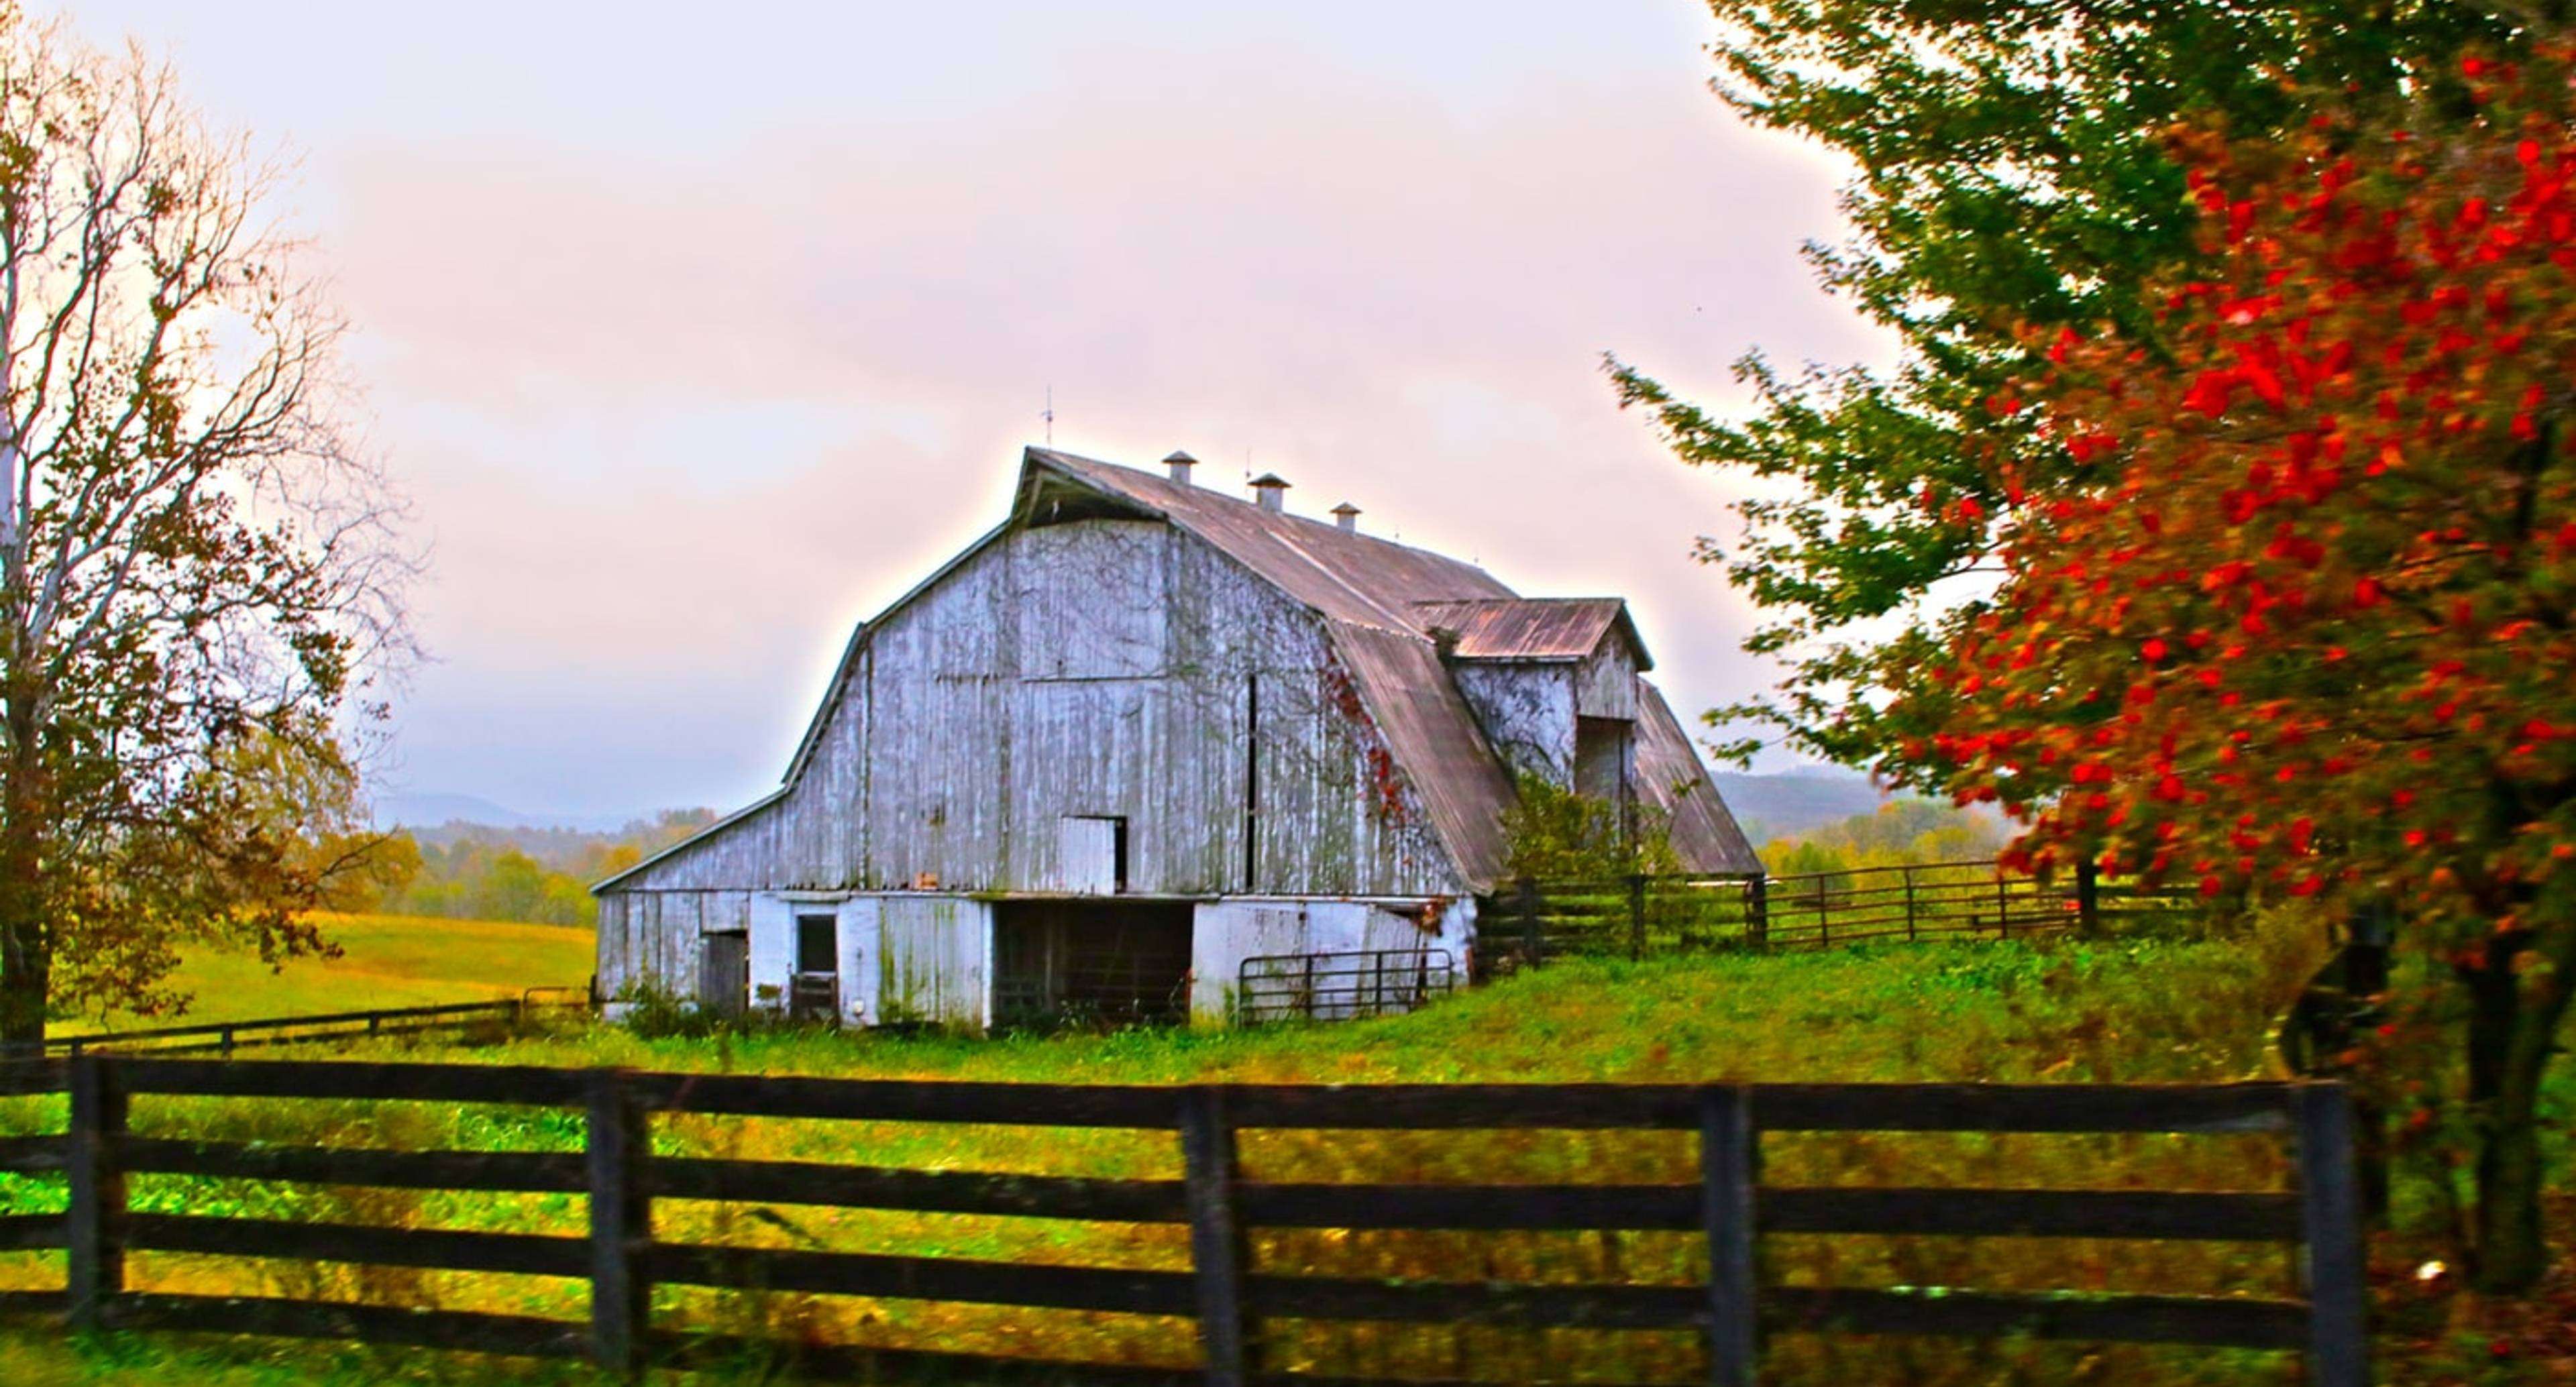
(1234, 1302)
(229, 1036)
(1531, 921)
(1342, 986)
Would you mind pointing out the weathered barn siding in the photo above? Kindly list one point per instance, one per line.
(934, 960)
(1605, 684)
(651, 938)
(1038, 680)
(1527, 712)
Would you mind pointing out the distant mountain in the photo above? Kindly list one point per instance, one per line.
(1795, 801)
(431, 808)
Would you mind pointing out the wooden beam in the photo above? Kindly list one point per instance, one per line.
(1219, 1256)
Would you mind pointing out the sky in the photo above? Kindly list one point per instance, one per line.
(697, 334)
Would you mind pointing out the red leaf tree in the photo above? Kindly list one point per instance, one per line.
(2299, 622)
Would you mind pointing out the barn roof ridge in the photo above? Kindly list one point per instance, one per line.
(1337, 572)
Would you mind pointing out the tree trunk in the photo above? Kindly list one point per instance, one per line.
(26, 979)
(2511, 1036)
(26, 939)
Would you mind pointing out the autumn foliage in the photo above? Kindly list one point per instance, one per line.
(2296, 620)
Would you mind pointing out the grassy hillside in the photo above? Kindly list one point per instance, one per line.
(2135, 1010)
(386, 961)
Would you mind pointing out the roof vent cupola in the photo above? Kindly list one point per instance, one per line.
(1349, 516)
(1180, 464)
(1271, 490)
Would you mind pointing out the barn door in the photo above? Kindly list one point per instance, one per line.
(724, 972)
(814, 994)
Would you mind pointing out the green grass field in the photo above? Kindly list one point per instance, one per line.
(385, 961)
(2063, 1011)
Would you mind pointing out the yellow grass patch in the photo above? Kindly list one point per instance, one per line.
(386, 961)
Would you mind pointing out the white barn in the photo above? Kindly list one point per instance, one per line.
(1135, 735)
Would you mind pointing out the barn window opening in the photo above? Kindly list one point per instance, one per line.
(816, 950)
(1091, 962)
(1604, 748)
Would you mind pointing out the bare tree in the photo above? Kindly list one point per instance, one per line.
(197, 571)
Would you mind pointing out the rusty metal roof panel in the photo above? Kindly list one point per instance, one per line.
(1670, 777)
(1451, 769)
(1349, 577)
(1531, 629)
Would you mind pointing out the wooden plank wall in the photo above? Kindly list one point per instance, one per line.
(1101, 668)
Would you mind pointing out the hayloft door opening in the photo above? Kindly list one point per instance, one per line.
(1106, 962)
(1095, 854)
(814, 994)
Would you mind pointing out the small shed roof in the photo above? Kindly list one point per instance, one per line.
(1535, 630)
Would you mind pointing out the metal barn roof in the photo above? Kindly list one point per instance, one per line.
(1531, 629)
(1383, 600)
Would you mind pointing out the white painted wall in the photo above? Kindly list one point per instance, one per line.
(861, 937)
(1225, 933)
(773, 950)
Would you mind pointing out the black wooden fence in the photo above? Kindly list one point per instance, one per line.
(1230, 1298)
(1531, 921)
(228, 1036)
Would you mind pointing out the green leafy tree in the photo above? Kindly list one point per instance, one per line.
(2009, 171)
(195, 569)
(2292, 611)
(1553, 833)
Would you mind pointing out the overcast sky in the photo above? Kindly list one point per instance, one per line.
(698, 333)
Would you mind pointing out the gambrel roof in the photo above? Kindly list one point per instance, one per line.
(1387, 609)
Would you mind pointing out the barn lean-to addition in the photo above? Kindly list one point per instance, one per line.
(1140, 733)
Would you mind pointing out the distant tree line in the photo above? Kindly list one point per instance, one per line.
(535, 875)
(1904, 832)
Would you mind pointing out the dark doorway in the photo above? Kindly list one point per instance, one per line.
(1091, 962)
(814, 994)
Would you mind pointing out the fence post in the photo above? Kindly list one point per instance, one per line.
(2338, 1349)
(1218, 1252)
(1726, 1146)
(2003, 905)
(1909, 904)
(2088, 897)
(95, 1225)
(1636, 916)
(1528, 893)
(621, 1223)
(1757, 910)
